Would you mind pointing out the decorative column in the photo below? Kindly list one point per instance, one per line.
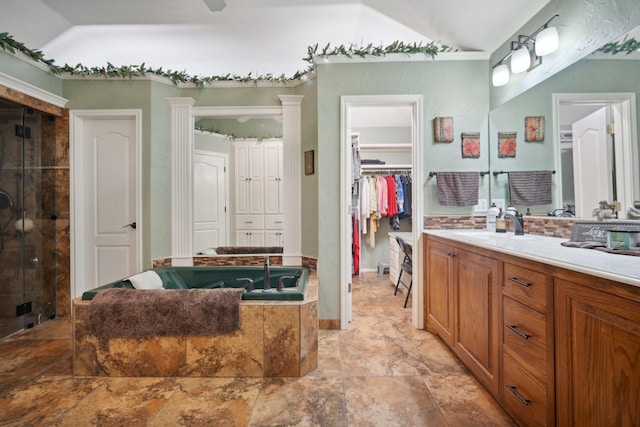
(182, 127)
(292, 170)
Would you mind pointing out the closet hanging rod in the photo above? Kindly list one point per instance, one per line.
(496, 173)
(389, 171)
(432, 174)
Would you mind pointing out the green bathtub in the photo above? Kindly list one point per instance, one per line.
(226, 277)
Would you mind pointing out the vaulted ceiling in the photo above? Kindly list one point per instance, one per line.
(215, 37)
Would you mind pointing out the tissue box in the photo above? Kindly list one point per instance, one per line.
(623, 239)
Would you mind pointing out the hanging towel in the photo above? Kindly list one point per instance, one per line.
(458, 188)
(530, 188)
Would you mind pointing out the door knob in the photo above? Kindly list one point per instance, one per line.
(132, 225)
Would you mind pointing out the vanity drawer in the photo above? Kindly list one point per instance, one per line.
(274, 222)
(523, 395)
(525, 336)
(525, 285)
(249, 222)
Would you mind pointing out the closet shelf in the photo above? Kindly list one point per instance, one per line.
(386, 166)
(385, 147)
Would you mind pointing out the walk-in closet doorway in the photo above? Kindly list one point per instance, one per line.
(382, 108)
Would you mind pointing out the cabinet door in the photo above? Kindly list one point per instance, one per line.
(273, 177)
(249, 238)
(249, 178)
(597, 357)
(273, 238)
(477, 303)
(439, 289)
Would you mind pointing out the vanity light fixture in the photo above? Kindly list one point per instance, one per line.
(500, 76)
(526, 53)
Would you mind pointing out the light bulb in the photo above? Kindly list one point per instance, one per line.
(500, 76)
(520, 60)
(547, 41)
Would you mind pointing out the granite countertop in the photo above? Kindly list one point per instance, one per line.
(548, 250)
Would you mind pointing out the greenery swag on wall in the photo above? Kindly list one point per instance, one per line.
(230, 136)
(629, 46)
(9, 44)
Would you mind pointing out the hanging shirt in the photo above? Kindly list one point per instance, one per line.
(399, 194)
(383, 202)
(392, 204)
(365, 202)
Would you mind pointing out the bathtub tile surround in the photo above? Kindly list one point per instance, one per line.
(276, 339)
(37, 385)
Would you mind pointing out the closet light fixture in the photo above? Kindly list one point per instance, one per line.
(526, 52)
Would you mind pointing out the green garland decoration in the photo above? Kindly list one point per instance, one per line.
(8, 43)
(629, 46)
(231, 136)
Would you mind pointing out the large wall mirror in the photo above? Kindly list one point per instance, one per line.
(214, 169)
(580, 124)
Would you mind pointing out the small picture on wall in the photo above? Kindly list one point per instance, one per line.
(443, 129)
(534, 128)
(470, 145)
(309, 162)
(507, 144)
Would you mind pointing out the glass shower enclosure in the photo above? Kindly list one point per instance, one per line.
(27, 218)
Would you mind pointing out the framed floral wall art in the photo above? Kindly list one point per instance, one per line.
(443, 129)
(507, 144)
(534, 128)
(470, 145)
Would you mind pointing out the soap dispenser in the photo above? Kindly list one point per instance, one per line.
(501, 223)
(492, 215)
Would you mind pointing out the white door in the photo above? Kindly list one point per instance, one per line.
(591, 162)
(209, 201)
(109, 199)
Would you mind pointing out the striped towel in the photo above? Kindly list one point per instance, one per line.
(530, 188)
(458, 188)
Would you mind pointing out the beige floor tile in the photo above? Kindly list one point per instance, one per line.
(121, 401)
(464, 402)
(209, 402)
(300, 402)
(391, 401)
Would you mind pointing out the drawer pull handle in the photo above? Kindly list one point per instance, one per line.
(522, 399)
(519, 282)
(517, 331)
(278, 222)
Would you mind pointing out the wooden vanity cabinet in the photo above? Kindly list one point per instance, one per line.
(462, 307)
(527, 381)
(438, 259)
(568, 349)
(597, 356)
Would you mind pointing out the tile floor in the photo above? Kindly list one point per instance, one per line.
(380, 372)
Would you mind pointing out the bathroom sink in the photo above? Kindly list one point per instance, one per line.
(490, 235)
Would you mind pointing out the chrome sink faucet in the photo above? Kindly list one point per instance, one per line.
(518, 230)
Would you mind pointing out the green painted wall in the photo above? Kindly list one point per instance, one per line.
(254, 128)
(29, 73)
(309, 184)
(449, 88)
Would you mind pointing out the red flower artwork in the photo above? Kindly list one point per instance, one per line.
(507, 144)
(471, 145)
